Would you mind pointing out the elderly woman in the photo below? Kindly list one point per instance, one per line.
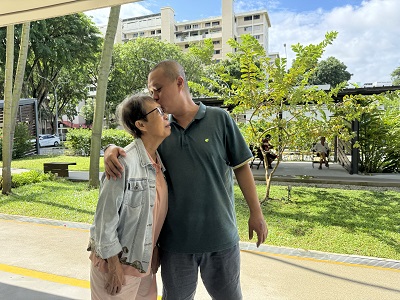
(131, 209)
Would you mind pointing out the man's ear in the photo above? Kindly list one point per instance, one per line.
(180, 81)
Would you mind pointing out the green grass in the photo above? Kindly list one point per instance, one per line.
(36, 162)
(344, 221)
(359, 222)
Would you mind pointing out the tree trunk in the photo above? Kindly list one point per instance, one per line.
(7, 111)
(101, 93)
(11, 101)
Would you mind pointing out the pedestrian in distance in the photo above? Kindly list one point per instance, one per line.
(322, 150)
(131, 209)
(203, 151)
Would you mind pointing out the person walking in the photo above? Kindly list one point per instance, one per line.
(200, 231)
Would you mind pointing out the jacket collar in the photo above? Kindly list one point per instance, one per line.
(144, 157)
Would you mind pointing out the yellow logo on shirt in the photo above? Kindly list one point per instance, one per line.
(206, 140)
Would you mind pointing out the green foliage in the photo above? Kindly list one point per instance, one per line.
(330, 71)
(29, 177)
(87, 111)
(64, 51)
(280, 102)
(116, 136)
(132, 62)
(396, 76)
(379, 131)
(79, 140)
(21, 144)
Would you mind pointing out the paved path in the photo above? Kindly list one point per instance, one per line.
(304, 172)
(46, 259)
(42, 259)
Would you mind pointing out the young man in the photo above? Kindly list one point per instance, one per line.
(200, 229)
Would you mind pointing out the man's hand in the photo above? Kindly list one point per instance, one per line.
(116, 277)
(112, 166)
(258, 224)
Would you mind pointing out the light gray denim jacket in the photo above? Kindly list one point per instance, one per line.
(123, 222)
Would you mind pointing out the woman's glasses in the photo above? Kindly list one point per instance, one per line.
(159, 110)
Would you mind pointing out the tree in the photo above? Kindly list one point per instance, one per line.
(11, 98)
(396, 76)
(132, 62)
(281, 103)
(330, 71)
(63, 53)
(101, 92)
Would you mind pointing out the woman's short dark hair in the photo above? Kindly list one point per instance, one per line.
(131, 110)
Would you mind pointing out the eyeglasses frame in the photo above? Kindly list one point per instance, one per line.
(159, 109)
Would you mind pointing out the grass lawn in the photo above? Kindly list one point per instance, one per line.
(326, 219)
(36, 162)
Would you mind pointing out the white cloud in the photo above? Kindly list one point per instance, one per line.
(368, 42)
(131, 10)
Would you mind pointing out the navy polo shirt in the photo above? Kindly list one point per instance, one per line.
(199, 161)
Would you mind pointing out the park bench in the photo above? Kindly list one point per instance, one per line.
(59, 168)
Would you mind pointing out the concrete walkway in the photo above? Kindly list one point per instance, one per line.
(305, 173)
(47, 259)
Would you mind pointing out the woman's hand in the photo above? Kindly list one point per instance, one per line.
(116, 277)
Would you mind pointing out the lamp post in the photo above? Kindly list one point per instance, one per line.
(284, 45)
(55, 98)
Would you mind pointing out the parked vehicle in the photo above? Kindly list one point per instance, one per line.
(48, 140)
(382, 83)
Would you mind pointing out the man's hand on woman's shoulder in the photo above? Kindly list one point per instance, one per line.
(112, 166)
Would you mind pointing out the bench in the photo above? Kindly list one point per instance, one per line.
(59, 168)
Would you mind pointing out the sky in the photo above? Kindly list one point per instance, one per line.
(368, 42)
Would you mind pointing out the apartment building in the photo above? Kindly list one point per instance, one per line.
(220, 29)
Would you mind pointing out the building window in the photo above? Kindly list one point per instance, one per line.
(257, 36)
(256, 17)
(142, 33)
(247, 28)
(208, 24)
(135, 34)
(217, 51)
(158, 31)
(216, 42)
(153, 32)
(188, 26)
(216, 23)
(186, 46)
(248, 18)
(195, 26)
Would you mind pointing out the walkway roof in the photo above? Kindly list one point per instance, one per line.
(20, 11)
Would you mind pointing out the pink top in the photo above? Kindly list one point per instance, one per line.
(159, 214)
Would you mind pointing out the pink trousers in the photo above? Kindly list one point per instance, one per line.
(138, 288)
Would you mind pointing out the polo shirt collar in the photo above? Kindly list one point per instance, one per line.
(199, 115)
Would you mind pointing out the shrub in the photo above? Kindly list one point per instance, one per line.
(28, 177)
(22, 141)
(78, 140)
